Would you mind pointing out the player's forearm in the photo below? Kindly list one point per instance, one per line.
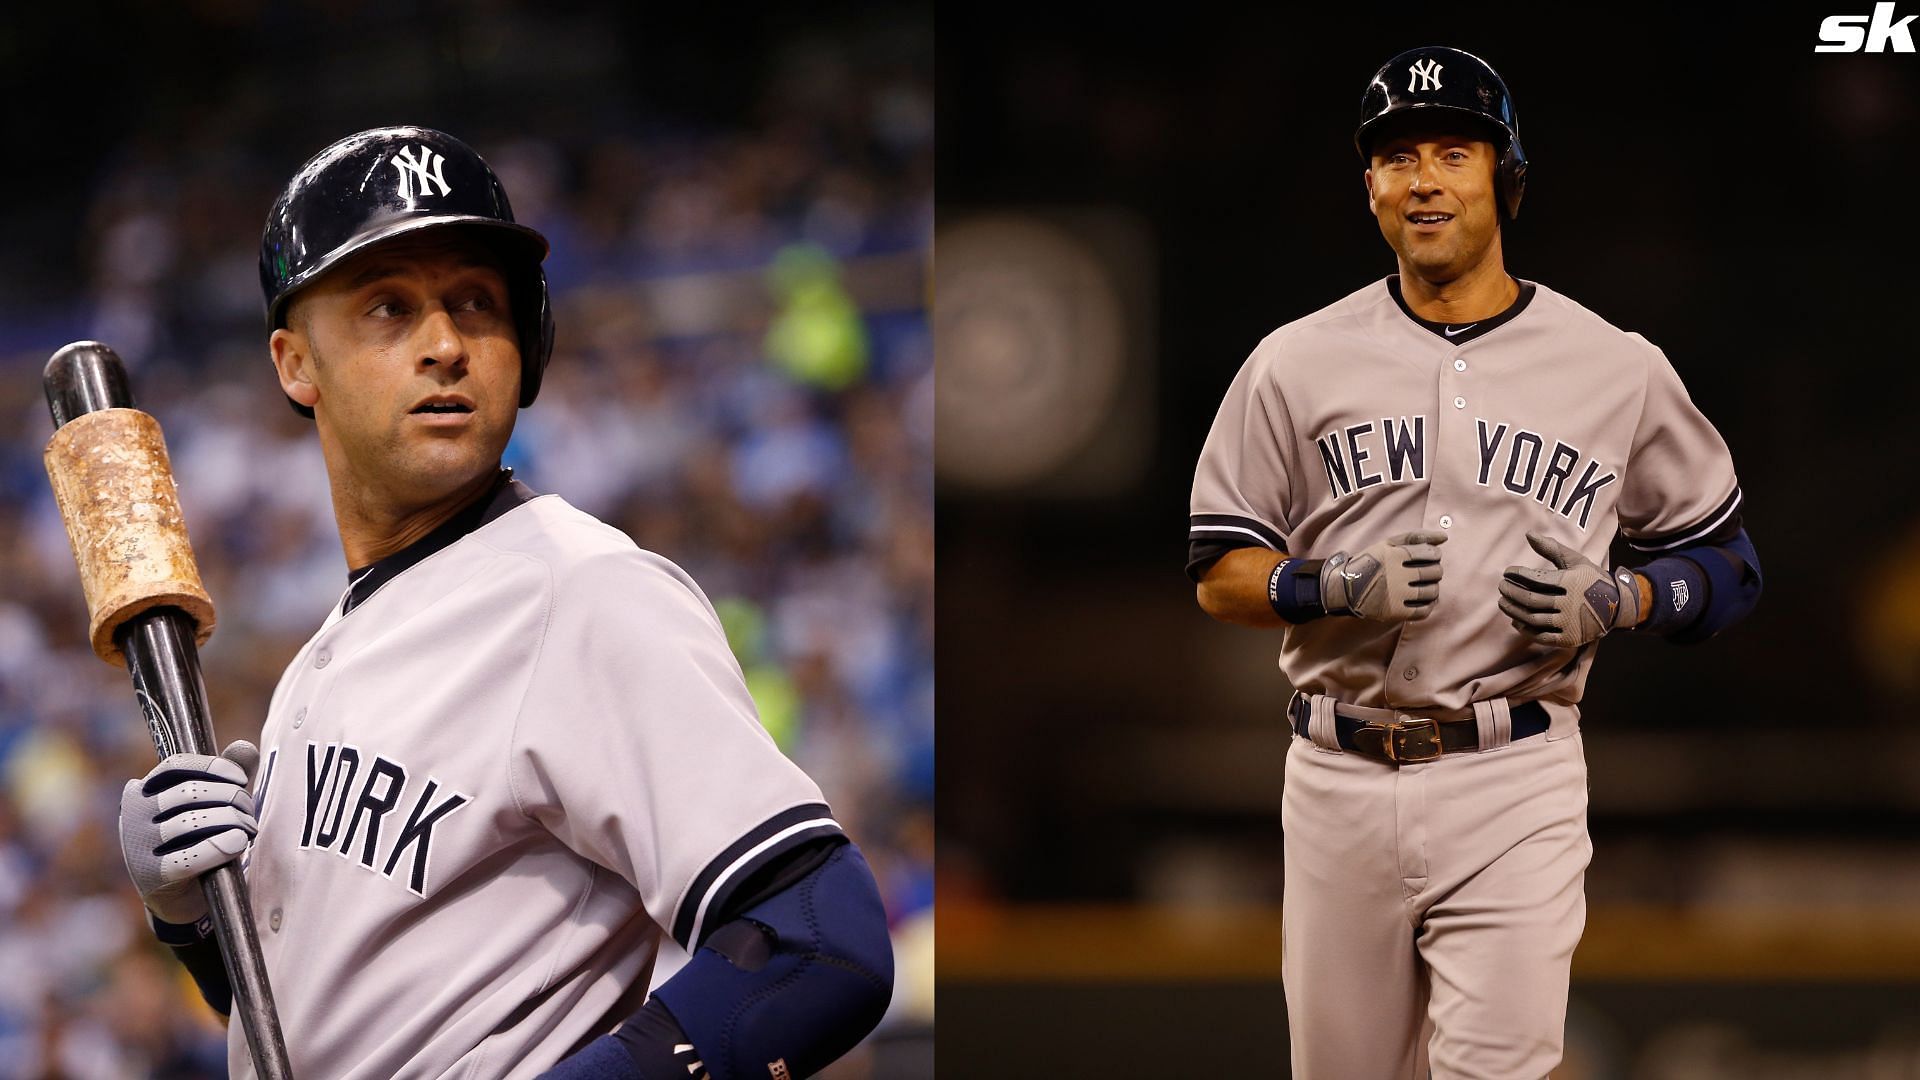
(1235, 588)
(198, 950)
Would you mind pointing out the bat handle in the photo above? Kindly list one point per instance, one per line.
(233, 921)
(165, 665)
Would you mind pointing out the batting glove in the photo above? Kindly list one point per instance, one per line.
(1570, 604)
(1395, 580)
(188, 815)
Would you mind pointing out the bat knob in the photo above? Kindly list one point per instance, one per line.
(85, 377)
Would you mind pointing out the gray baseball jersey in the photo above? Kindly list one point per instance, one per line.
(1432, 908)
(515, 755)
(1357, 422)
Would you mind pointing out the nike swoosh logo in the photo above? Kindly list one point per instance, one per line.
(1450, 331)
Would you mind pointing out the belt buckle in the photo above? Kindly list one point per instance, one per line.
(1421, 741)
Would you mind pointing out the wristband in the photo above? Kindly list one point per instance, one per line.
(178, 934)
(1293, 590)
(1680, 594)
(656, 1045)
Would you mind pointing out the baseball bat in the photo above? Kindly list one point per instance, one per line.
(147, 608)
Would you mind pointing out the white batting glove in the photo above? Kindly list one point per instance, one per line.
(1571, 604)
(189, 814)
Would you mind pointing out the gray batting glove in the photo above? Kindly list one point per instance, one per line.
(1395, 580)
(1571, 604)
(190, 814)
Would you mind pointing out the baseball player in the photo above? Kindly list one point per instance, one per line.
(517, 754)
(1450, 415)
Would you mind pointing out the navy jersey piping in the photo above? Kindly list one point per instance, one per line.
(1446, 331)
(503, 495)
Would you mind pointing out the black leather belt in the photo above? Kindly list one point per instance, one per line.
(1405, 742)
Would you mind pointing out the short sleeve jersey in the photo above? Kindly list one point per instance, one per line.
(1359, 422)
(512, 759)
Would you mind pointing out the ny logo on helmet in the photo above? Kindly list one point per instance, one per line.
(422, 171)
(1425, 76)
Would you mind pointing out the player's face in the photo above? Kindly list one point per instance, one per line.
(1434, 193)
(408, 356)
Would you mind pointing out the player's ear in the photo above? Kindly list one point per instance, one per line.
(1368, 177)
(293, 362)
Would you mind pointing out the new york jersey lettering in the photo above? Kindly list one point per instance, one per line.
(1352, 454)
(346, 813)
(1521, 464)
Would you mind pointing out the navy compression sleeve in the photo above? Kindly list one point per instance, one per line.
(1702, 589)
(794, 982)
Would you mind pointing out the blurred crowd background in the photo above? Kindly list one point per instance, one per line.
(1125, 209)
(741, 215)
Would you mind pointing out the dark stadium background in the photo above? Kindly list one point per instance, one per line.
(740, 203)
(1127, 204)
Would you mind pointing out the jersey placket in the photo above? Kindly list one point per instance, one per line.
(1404, 684)
(318, 664)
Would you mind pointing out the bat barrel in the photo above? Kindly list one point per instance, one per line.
(85, 377)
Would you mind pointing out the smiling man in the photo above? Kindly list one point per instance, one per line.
(517, 754)
(1434, 812)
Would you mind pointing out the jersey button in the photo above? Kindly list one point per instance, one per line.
(321, 658)
(1410, 674)
(273, 920)
(1459, 403)
(1446, 522)
(1459, 364)
(300, 717)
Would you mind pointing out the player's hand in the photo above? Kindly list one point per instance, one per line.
(1570, 604)
(1395, 580)
(188, 815)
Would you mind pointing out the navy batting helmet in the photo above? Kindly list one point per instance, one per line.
(388, 182)
(1453, 82)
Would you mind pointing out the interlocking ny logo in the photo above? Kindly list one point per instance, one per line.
(1425, 76)
(1843, 33)
(420, 172)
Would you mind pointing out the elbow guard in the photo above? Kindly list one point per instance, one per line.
(793, 983)
(1731, 571)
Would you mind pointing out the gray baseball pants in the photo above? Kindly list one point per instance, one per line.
(1431, 910)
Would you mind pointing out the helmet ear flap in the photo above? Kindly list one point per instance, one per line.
(536, 334)
(1512, 177)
